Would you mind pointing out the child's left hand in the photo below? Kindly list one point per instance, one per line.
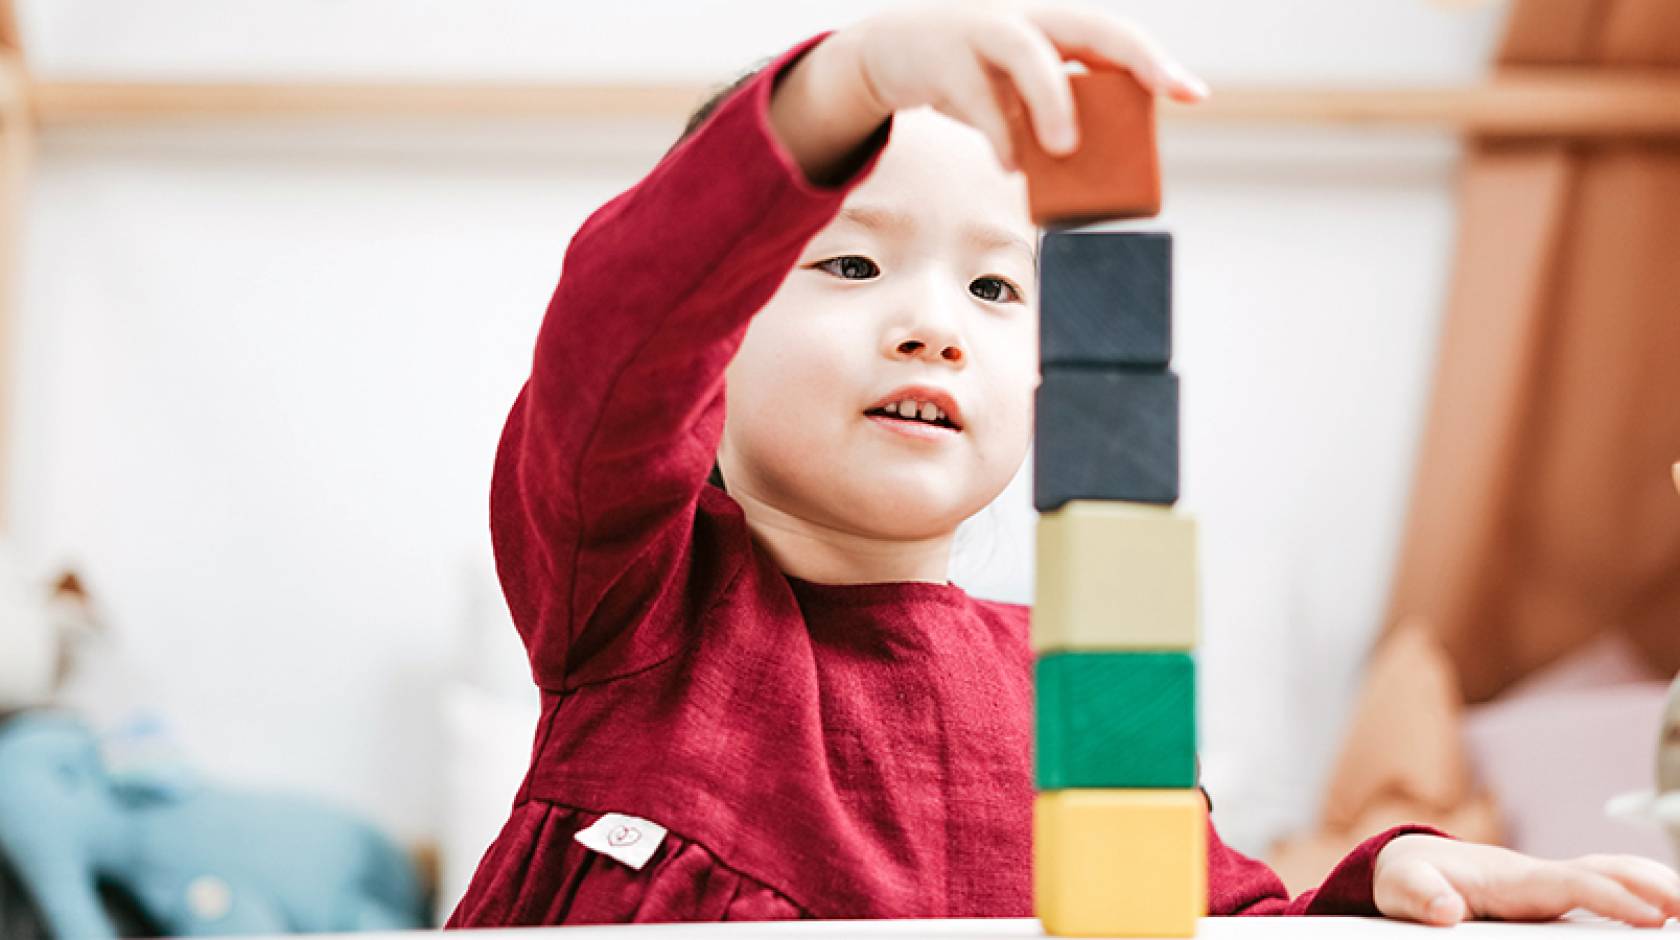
(1442, 881)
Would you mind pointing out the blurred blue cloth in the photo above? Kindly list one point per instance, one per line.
(195, 858)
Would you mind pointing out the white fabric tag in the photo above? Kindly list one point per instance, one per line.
(626, 838)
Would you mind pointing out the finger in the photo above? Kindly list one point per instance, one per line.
(972, 100)
(1035, 68)
(1653, 882)
(1098, 38)
(1588, 890)
(1418, 891)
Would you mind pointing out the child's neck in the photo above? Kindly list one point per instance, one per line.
(828, 554)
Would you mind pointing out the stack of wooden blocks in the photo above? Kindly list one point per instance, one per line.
(1120, 826)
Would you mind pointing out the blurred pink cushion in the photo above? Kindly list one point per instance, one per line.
(1554, 750)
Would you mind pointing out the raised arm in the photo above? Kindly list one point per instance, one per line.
(600, 468)
(608, 445)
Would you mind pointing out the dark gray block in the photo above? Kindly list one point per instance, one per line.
(1106, 433)
(1105, 298)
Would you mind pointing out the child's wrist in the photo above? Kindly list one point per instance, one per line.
(843, 51)
(823, 110)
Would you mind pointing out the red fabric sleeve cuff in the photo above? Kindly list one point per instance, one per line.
(1350, 890)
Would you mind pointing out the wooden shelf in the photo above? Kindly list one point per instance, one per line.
(1516, 103)
(61, 103)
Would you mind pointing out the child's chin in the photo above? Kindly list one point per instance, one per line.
(919, 503)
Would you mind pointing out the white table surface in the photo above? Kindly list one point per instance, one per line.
(1212, 928)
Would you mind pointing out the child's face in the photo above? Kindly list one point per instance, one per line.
(926, 279)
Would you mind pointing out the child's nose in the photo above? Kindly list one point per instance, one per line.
(915, 348)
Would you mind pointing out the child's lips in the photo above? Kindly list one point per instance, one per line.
(925, 401)
(916, 430)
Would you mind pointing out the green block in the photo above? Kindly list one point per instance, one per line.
(1115, 720)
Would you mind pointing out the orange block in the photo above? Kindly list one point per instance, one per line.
(1115, 173)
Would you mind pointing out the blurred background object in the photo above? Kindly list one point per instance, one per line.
(1542, 549)
(193, 859)
(1660, 806)
(272, 273)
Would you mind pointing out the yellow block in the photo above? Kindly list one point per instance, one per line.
(1115, 576)
(1120, 863)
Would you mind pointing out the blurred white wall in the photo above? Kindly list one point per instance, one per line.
(263, 367)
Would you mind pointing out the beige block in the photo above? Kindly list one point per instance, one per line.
(1115, 576)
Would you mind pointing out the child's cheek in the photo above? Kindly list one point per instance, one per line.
(805, 369)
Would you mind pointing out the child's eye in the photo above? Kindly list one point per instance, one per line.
(850, 267)
(994, 289)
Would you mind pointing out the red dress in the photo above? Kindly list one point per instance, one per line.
(814, 750)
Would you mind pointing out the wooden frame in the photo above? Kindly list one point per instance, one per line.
(1525, 103)
(17, 146)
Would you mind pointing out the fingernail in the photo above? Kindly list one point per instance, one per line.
(1441, 908)
(1063, 139)
(1182, 77)
(1650, 915)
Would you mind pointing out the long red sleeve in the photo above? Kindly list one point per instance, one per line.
(1242, 886)
(609, 442)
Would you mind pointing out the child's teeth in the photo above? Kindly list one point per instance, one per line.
(915, 410)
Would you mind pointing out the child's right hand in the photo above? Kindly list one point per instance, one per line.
(962, 61)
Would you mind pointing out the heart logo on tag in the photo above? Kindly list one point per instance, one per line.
(623, 835)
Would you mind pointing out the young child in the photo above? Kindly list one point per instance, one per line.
(823, 300)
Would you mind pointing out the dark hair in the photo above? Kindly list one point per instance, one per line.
(715, 100)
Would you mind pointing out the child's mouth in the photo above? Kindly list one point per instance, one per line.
(920, 412)
(921, 419)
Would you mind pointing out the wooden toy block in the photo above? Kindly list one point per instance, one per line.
(1128, 863)
(1115, 720)
(1114, 174)
(1115, 576)
(1105, 298)
(1106, 433)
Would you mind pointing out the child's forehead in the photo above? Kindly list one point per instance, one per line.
(936, 173)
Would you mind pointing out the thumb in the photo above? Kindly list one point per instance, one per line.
(1416, 890)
